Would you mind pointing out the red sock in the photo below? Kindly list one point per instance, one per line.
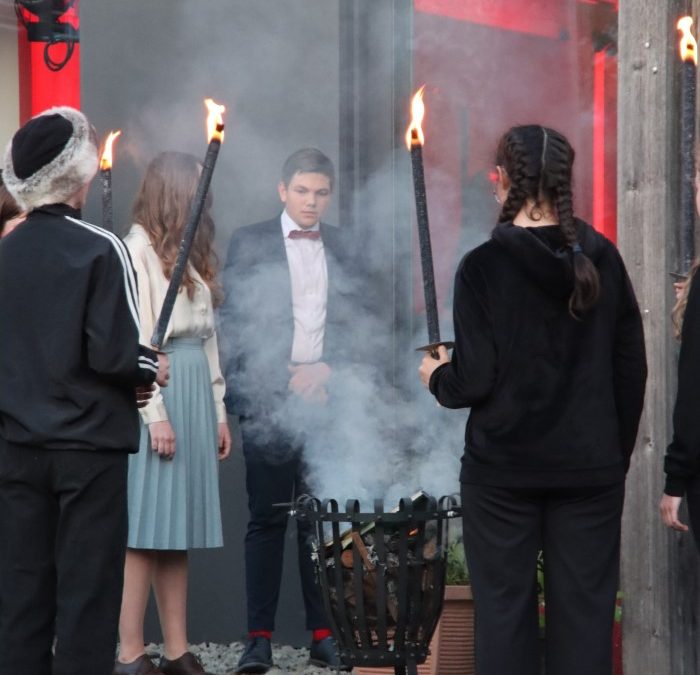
(260, 633)
(321, 634)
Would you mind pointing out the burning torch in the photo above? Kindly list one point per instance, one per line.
(106, 176)
(414, 142)
(215, 135)
(689, 57)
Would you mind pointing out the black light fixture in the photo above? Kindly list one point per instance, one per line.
(43, 21)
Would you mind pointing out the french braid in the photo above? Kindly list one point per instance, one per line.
(539, 162)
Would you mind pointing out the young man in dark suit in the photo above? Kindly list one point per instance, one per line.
(285, 324)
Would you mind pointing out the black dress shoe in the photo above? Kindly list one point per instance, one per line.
(187, 664)
(256, 657)
(325, 653)
(141, 666)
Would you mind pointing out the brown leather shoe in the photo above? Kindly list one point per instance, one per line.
(142, 666)
(187, 664)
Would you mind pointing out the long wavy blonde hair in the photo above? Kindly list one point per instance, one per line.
(678, 311)
(162, 207)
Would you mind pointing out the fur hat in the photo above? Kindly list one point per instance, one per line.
(50, 158)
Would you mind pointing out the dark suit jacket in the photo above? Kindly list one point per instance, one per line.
(257, 324)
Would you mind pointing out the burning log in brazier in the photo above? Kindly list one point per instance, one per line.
(382, 576)
(367, 545)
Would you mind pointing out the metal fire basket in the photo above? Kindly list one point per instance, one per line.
(382, 576)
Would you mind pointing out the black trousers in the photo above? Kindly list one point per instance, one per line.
(63, 526)
(275, 475)
(579, 532)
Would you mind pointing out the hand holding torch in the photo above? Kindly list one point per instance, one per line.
(106, 176)
(414, 141)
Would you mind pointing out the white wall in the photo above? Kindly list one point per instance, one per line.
(9, 76)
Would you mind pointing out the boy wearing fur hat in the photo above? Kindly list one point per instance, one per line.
(70, 364)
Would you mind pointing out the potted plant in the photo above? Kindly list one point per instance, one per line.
(452, 646)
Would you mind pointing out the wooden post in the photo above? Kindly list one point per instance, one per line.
(659, 568)
(375, 168)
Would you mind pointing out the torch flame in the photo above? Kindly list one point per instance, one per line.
(215, 121)
(688, 45)
(106, 161)
(417, 114)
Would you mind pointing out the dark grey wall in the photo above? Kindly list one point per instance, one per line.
(146, 68)
(331, 73)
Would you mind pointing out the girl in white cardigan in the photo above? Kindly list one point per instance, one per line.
(173, 480)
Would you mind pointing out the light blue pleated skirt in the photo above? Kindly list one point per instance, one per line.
(174, 504)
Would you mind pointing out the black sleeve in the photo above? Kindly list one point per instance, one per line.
(148, 365)
(683, 454)
(470, 375)
(630, 365)
(256, 325)
(230, 321)
(112, 323)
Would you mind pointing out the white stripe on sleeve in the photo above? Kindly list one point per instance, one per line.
(132, 295)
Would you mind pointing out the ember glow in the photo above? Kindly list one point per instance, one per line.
(215, 121)
(688, 45)
(106, 161)
(417, 114)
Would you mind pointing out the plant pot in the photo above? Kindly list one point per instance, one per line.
(452, 646)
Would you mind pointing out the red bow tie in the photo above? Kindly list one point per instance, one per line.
(304, 234)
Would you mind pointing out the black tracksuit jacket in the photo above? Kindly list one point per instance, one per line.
(555, 401)
(69, 331)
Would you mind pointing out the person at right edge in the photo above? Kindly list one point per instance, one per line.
(549, 355)
(682, 461)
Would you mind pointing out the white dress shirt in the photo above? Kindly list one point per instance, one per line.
(309, 278)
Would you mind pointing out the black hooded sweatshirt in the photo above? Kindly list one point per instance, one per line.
(555, 400)
(69, 331)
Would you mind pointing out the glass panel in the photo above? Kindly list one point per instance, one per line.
(492, 64)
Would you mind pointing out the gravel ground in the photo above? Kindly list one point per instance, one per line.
(222, 659)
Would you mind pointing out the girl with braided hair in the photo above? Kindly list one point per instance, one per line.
(549, 356)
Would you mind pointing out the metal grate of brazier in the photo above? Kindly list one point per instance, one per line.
(382, 575)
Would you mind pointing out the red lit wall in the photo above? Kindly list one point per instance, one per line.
(41, 88)
(537, 17)
(485, 70)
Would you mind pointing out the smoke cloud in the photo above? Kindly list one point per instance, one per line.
(278, 73)
(373, 438)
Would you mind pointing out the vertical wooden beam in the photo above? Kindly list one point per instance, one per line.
(348, 76)
(659, 568)
(374, 167)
